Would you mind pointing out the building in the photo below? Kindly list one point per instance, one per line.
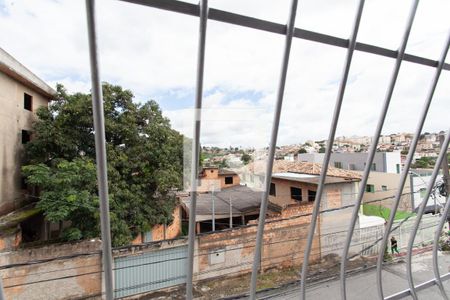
(388, 162)
(215, 179)
(21, 94)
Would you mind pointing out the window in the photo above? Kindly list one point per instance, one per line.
(338, 164)
(311, 195)
(296, 193)
(26, 136)
(398, 168)
(351, 167)
(384, 187)
(370, 188)
(27, 102)
(229, 180)
(374, 167)
(273, 191)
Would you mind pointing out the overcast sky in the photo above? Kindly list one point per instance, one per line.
(153, 53)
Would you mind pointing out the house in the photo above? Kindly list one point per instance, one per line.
(215, 179)
(21, 94)
(388, 162)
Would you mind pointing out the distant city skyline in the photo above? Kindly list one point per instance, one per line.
(153, 53)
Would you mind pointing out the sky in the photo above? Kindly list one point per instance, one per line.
(154, 54)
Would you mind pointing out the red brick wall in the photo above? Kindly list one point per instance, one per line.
(284, 242)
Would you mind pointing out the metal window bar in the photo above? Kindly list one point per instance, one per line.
(245, 21)
(203, 6)
(413, 233)
(100, 149)
(373, 146)
(407, 166)
(2, 295)
(331, 136)
(273, 142)
(437, 236)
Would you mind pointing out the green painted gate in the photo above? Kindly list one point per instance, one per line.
(149, 271)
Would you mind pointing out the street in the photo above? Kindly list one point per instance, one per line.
(363, 285)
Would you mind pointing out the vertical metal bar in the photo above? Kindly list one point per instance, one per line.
(213, 210)
(231, 213)
(100, 149)
(331, 136)
(203, 7)
(420, 214)
(2, 294)
(403, 177)
(273, 143)
(437, 235)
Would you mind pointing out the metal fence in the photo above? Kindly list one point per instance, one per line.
(290, 32)
(149, 271)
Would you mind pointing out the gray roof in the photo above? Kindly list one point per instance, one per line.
(13, 68)
(244, 201)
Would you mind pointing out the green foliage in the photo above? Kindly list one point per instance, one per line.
(302, 150)
(322, 149)
(384, 212)
(246, 158)
(424, 163)
(144, 163)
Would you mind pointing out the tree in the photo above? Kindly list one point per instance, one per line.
(245, 158)
(322, 149)
(302, 150)
(144, 163)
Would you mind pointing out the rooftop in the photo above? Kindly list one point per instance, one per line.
(13, 68)
(283, 166)
(244, 201)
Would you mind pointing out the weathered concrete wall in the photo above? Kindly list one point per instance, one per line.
(230, 252)
(14, 118)
(283, 191)
(390, 182)
(72, 277)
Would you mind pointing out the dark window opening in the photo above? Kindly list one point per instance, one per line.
(27, 102)
(296, 193)
(311, 195)
(228, 180)
(273, 190)
(26, 136)
(370, 188)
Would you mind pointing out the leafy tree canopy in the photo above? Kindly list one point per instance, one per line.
(144, 163)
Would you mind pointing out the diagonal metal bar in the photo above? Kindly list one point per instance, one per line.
(373, 146)
(203, 7)
(435, 249)
(331, 136)
(273, 143)
(405, 172)
(413, 233)
(258, 24)
(419, 287)
(100, 149)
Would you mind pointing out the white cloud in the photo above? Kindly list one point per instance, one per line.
(153, 52)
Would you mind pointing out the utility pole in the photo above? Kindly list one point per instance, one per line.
(445, 171)
(411, 185)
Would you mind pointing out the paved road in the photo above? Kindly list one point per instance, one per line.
(363, 285)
